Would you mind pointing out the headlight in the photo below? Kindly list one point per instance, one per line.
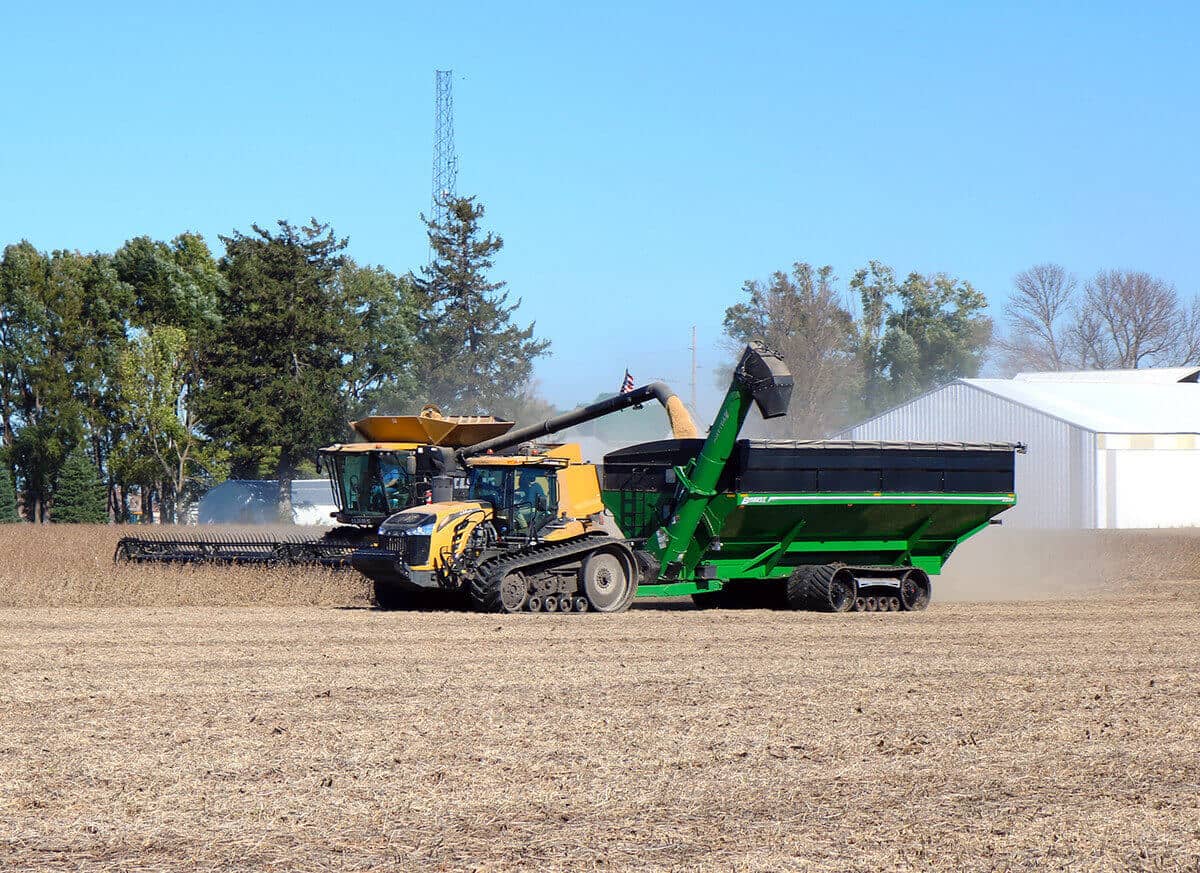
(392, 530)
(416, 523)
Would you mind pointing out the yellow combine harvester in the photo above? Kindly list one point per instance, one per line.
(391, 468)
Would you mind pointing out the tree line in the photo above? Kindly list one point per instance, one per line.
(866, 346)
(155, 371)
(160, 369)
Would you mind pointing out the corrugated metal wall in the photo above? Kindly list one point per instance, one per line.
(1055, 479)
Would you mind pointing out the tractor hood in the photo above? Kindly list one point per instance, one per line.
(424, 520)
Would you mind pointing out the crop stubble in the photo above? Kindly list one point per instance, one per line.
(1048, 734)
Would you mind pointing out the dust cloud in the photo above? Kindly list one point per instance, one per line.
(1012, 564)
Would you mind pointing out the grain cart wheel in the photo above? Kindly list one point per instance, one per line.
(821, 587)
(915, 590)
(607, 578)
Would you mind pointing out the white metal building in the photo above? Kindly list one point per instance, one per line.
(1105, 449)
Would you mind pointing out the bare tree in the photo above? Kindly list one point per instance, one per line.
(1039, 313)
(1141, 318)
(1123, 319)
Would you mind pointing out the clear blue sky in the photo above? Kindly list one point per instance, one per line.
(640, 164)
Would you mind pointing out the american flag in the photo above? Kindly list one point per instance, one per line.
(627, 383)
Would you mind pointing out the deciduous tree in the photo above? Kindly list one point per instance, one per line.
(1122, 319)
(801, 314)
(158, 411)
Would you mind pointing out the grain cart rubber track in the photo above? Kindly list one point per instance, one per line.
(835, 588)
(533, 579)
(821, 587)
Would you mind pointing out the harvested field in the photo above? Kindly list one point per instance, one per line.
(1045, 734)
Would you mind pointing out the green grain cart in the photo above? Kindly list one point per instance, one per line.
(842, 525)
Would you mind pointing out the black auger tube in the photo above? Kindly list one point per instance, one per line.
(659, 391)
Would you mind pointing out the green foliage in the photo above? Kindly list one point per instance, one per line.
(802, 316)
(177, 283)
(8, 496)
(276, 369)
(924, 332)
(908, 338)
(472, 357)
(164, 443)
(61, 328)
(380, 374)
(79, 493)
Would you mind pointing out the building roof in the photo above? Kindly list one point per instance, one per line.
(1154, 375)
(1106, 407)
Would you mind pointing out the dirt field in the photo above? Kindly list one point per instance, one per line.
(1046, 734)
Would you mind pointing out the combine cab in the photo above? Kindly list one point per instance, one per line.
(394, 467)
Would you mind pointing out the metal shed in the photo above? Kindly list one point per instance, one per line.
(1102, 453)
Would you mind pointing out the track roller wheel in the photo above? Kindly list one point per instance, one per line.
(915, 590)
(514, 588)
(579, 604)
(893, 604)
(821, 587)
(860, 604)
(608, 579)
(550, 604)
(872, 604)
(535, 604)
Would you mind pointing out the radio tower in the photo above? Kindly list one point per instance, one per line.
(445, 161)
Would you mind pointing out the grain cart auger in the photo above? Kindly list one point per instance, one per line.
(392, 467)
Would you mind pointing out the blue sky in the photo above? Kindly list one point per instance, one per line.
(640, 160)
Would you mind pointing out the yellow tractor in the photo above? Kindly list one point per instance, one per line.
(532, 532)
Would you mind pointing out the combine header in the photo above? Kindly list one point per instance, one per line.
(831, 526)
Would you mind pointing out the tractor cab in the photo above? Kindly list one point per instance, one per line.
(523, 496)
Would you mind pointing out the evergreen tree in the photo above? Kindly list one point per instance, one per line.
(472, 357)
(276, 368)
(8, 496)
(79, 494)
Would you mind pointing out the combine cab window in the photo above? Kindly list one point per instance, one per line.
(370, 482)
